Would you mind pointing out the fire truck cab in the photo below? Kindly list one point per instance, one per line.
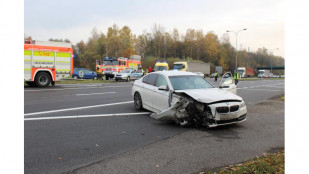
(110, 66)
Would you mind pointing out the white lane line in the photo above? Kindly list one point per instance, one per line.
(95, 93)
(86, 116)
(65, 88)
(282, 87)
(261, 89)
(77, 108)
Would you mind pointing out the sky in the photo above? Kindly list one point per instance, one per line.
(75, 19)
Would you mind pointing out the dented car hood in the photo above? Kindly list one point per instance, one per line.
(209, 95)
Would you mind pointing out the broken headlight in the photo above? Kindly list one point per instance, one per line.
(242, 104)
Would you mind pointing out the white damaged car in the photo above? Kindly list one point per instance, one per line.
(188, 99)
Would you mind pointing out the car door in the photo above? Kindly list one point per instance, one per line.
(87, 74)
(228, 83)
(149, 88)
(160, 97)
(132, 74)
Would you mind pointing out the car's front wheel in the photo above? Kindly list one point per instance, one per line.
(138, 103)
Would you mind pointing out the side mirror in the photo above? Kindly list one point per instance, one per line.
(223, 86)
(163, 87)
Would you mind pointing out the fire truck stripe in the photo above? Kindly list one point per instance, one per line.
(27, 53)
(63, 54)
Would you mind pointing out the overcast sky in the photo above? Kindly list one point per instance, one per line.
(74, 19)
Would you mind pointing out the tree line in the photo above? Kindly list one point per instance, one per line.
(194, 45)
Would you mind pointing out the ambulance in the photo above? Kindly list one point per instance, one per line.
(161, 66)
(45, 62)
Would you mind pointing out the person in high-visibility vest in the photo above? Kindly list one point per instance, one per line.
(146, 72)
(216, 76)
(236, 76)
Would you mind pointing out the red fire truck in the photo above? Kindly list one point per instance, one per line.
(111, 66)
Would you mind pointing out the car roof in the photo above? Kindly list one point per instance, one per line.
(175, 73)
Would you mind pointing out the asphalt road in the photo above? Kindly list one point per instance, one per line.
(57, 140)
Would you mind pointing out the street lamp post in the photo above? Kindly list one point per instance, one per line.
(236, 33)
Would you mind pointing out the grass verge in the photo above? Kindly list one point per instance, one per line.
(84, 81)
(268, 163)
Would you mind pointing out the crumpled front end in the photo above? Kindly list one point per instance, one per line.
(186, 111)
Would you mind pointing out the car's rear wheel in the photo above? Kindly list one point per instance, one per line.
(138, 103)
(128, 79)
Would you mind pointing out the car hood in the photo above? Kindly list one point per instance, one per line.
(210, 95)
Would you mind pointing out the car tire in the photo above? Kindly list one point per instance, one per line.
(128, 79)
(116, 80)
(42, 79)
(95, 78)
(138, 103)
(75, 77)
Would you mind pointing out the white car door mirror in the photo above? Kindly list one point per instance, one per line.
(163, 87)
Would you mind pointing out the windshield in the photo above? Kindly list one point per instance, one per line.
(110, 62)
(178, 66)
(160, 68)
(189, 82)
(126, 71)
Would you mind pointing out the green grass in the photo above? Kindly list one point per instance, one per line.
(84, 81)
(79, 81)
(269, 164)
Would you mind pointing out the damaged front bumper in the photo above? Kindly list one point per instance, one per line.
(186, 111)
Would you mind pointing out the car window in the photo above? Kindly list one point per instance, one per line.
(227, 81)
(87, 71)
(145, 79)
(161, 81)
(189, 82)
(152, 79)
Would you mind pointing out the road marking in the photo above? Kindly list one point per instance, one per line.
(86, 116)
(95, 93)
(261, 89)
(77, 108)
(74, 88)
